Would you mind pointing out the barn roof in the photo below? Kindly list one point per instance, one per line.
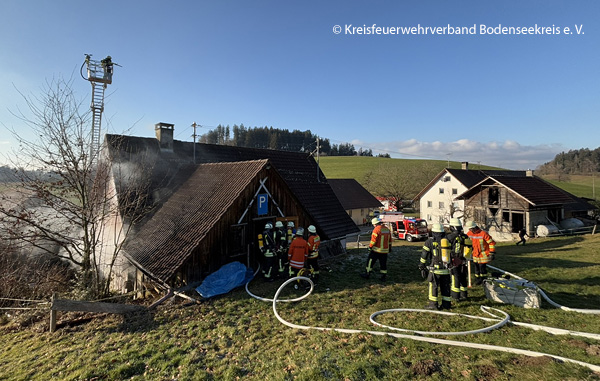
(171, 168)
(470, 177)
(352, 195)
(534, 190)
(167, 240)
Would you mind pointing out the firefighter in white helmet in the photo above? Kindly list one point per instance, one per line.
(266, 244)
(460, 256)
(484, 250)
(312, 262)
(435, 263)
(291, 232)
(297, 253)
(379, 248)
(281, 246)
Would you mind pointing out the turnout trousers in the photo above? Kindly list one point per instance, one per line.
(459, 282)
(439, 290)
(374, 257)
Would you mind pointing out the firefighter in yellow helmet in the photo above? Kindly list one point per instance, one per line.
(484, 250)
(435, 263)
(379, 248)
(460, 256)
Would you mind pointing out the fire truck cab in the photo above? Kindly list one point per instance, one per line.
(410, 229)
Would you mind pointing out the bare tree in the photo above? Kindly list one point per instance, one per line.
(65, 195)
(399, 182)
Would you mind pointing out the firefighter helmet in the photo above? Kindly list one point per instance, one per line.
(437, 228)
(312, 229)
(278, 224)
(375, 221)
(455, 222)
(471, 224)
(300, 232)
(268, 226)
(290, 224)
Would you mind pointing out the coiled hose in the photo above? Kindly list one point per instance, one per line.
(422, 335)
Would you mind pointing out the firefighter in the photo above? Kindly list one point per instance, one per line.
(314, 241)
(484, 249)
(290, 233)
(297, 253)
(266, 244)
(435, 263)
(460, 256)
(281, 246)
(379, 247)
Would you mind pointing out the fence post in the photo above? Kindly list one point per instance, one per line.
(52, 314)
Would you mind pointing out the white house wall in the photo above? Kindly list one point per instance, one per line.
(435, 206)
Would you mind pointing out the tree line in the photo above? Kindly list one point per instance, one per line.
(280, 139)
(581, 161)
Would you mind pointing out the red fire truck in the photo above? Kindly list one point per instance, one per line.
(410, 229)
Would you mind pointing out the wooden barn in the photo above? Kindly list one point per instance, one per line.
(209, 202)
(506, 204)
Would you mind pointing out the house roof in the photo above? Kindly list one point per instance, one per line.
(469, 177)
(534, 190)
(167, 240)
(352, 195)
(299, 170)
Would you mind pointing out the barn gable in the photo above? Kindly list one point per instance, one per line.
(190, 235)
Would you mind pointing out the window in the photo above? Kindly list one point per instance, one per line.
(430, 204)
(429, 217)
(493, 196)
(441, 204)
(441, 190)
(454, 191)
(446, 179)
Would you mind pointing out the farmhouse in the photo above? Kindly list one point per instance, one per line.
(502, 202)
(209, 202)
(507, 204)
(355, 199)
(438, 200)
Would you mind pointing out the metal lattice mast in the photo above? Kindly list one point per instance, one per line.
(99, 73)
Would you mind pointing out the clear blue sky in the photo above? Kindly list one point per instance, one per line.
(500, 99)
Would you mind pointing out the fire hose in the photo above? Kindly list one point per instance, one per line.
(422, 336)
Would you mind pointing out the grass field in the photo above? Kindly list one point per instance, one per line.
(236, 336)
(579, 185)
(355, 167)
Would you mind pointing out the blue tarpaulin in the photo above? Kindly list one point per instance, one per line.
(225, 279)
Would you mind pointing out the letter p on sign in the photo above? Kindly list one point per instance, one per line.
(263, 204)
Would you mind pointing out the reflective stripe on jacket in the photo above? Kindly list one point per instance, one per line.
(483, 246)
(381, 239)
(314, 241)
(298, 252)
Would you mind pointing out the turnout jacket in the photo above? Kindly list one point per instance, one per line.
(314, 241)
(381, 239)
(436, 254)
(461, 246)
(298, 252)
(484, 246)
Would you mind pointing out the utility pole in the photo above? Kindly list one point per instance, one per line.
(194, 125)
(318, 179)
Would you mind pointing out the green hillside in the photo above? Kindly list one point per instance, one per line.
(356, 167)
(579, 185)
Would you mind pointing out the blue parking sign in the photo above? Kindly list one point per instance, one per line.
(262, 204)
